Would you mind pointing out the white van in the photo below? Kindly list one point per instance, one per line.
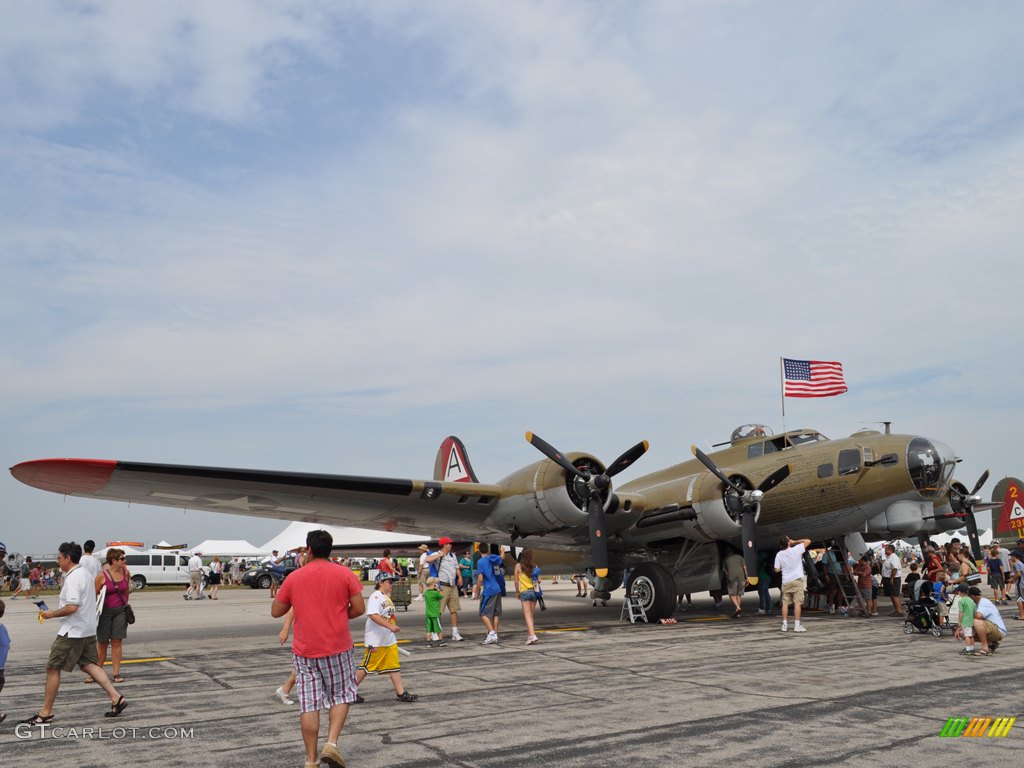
(156, 566)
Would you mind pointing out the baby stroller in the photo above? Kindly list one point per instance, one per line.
(923, 616)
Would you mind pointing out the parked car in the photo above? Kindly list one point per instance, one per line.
(261, 576)
(156, 567)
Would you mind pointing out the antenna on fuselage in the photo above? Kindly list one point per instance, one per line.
(886, 424)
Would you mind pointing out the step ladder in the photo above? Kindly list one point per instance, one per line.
(632, 610)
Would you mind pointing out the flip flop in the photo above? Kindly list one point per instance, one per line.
(116, 708)
(37, 719)
(88, 680)
(118, 679)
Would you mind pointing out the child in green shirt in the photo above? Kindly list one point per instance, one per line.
(965, 629)
(432, 598)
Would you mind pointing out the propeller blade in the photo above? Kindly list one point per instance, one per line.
(549, 450)
(598, 542)
(627, 458)
(981, 482)
(812, 573)
(972, 534)
(707, 462)
(749, 523)
(774, 479)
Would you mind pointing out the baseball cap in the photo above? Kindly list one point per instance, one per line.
(445, 540)
(384, 576)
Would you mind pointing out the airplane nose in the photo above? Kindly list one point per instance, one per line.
(931, 465)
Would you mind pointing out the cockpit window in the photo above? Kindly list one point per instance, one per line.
(807, 437)
(931, 468)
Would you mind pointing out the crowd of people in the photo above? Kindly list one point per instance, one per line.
(323, 594)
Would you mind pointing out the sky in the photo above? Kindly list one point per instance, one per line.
(319, 236)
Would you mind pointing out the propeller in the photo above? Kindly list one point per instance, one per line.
(746, 504)
(965, 505)
(591, 488)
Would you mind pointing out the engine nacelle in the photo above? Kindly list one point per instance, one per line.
(704, 494)
(714, 517)
(946, 524)
(542, 497)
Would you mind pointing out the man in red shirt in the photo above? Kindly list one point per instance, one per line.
(323, 596)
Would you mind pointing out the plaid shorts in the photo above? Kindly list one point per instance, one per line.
(326, 681)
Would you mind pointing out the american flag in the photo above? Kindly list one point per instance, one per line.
(812, 378)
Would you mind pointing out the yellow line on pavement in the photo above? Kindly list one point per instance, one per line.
(143, 661)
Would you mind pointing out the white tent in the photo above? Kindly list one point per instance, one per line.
(228, 548)
(295, 536)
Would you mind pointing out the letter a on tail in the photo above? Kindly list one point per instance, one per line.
(452, 463)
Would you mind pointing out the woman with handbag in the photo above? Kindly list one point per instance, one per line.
(116, 614)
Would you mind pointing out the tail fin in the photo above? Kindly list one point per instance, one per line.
(1010, 491)
(452, 463)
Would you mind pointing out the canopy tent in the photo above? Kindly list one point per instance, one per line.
(295, 536)
(228, 548)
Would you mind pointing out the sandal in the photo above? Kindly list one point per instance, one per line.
(37, 719)
(88, 680)
(118, 679)
(116, 708)
(982, 652)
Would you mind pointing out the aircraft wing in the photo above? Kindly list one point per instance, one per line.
(426, 507)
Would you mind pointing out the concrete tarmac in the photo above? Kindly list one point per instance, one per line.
(595, 691)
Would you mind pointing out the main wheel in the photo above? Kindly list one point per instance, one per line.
(652, 587)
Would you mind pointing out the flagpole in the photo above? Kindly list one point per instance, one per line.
(782, 392)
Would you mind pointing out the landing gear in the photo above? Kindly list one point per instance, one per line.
(652, 587)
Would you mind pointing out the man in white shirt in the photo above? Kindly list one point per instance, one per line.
(988, 624)
(195, 577)
(789, 562)
(892, 578)
(89, 561)
(76, 639)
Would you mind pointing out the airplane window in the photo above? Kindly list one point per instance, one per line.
(825, 470)
(849, 461)
(807, 437)
(757, 449)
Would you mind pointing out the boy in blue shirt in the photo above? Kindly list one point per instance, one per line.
(491, 582)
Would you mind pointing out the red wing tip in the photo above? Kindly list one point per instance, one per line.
(82, 476)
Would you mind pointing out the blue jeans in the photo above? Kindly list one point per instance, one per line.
(765, 603)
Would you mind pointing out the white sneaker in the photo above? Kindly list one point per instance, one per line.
(785, 628)
(831, 609)
(761, 612)
(531, 639)
(283, 696)
(418, 599)
(456, 636)
(434, 636)
(491, 638)
(799, 628)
